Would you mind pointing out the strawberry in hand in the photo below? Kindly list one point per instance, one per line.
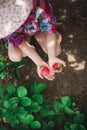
(56, 64)
(45, 71)
(57, 67)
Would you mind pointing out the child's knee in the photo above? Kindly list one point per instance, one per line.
(15, 57)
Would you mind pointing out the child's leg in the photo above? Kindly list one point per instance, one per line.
(41, 39)
(41, 65)
(14, 54)
(51, 45)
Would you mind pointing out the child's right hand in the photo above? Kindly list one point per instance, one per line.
(56, 64)
(44, 71)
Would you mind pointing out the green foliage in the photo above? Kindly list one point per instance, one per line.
(37, 88)
(26, 109)
(2, 66)
(66, 101)
(11, 89)
(35, 125)
(21, 91)
(2, 70)
(3, 128)
(1, 90)
(13, 67)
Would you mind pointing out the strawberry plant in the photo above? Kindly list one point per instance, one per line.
(13, 67)
(2, 66)
(2, 70)
(27, 109)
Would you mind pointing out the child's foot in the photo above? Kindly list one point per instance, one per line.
(59, 38)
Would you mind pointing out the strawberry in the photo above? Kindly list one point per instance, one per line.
(57, 66)
(45, 71)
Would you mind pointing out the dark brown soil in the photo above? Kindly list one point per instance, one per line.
(72, 22)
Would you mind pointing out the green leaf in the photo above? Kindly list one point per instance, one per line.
(74, 127)
(77, 127)
(21, 110)
(33, 87)
(22, 128)
(79, 118)
(66, 101)
(58, 107)
(35, 125)
(15, 123)
(3, 111)
(40, 87)
(69, 111)
(47, 103)
(1, 115)
(1, 90)
(21, 91)
(28, 119)
(35, 107)
(22, 63)
(17, 74)
(44, 125)
(68, 124)
(2, 65)
(6, 104)
(50, 125)
(38, 98)
(2, 74)
(66, 128)
(5, 96)
(21, 113)
(44, 111)
(59, 119)
(10, 117)
(37, 88)
(25, 101)
(3, 128)
(11, 89)
(14, 101)
(81, 127)
(51, 113)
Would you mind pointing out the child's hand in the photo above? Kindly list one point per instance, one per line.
(44, 71)
(56, 64)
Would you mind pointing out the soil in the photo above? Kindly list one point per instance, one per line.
(72, 23)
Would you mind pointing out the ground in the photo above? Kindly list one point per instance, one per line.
(72, 23)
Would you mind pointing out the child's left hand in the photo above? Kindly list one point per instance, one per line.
(44, 71)
(56, 64)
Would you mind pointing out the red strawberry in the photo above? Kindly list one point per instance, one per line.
(57, 66)
(45, 71)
